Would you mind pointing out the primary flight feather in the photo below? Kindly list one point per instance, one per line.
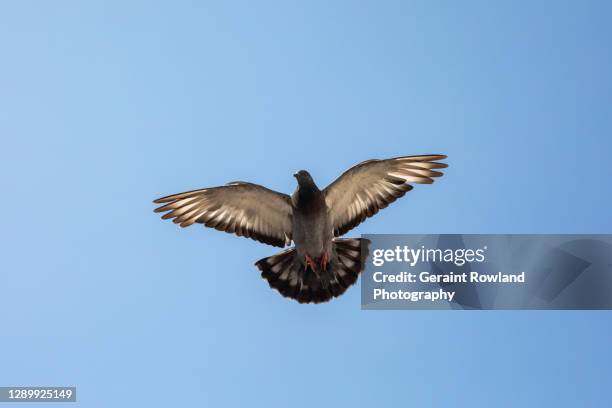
(321, 265)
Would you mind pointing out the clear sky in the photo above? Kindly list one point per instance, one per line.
(108, 105)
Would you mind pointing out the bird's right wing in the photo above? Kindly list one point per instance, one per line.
(245, 209)
(364, 189)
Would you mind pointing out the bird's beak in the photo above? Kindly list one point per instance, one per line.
(295, 175)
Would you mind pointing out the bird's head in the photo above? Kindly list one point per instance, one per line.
(304, 178)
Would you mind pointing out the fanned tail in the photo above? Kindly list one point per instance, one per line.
(286, 273)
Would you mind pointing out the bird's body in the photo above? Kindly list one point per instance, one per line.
(321, 265)
(312, 232)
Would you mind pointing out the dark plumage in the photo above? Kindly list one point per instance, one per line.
(321, 265)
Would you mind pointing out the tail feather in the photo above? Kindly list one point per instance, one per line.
(289, 276)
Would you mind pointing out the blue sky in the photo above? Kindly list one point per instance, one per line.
(108, 105)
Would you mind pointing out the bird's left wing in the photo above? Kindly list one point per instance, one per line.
(245, 209)
(364, 189)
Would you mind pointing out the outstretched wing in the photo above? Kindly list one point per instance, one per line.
(364, 189)
(245, 209)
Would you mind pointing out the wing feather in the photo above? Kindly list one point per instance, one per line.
(244, 209)
(370, 186)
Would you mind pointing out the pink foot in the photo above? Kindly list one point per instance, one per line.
(310, 263)
(324, 261)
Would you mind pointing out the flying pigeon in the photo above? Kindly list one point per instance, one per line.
(321, 265)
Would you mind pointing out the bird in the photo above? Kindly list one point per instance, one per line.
(321, 265)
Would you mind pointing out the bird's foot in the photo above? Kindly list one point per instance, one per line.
(310, 263)
(324, 261)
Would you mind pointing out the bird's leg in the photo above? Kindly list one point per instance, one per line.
(324, 261)
(310, 263)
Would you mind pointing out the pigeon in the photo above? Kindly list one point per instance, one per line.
(321, 265)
